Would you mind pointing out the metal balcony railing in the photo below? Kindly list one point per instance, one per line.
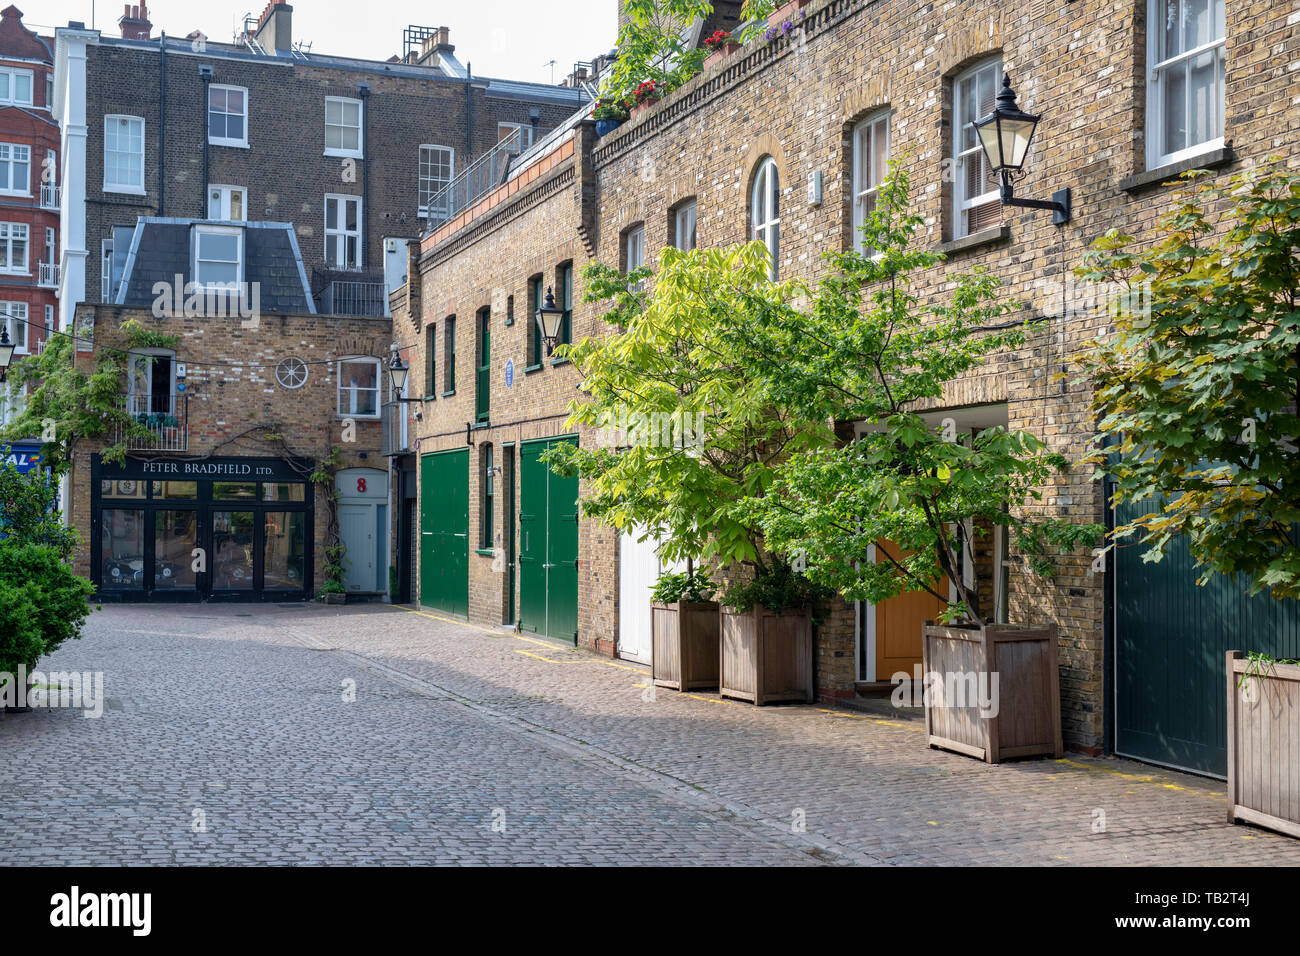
(50, 195)
(166, 420)
(47, 275)
(481, 177)
(354, 297)
(396, 434)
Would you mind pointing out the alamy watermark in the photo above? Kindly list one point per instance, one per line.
(217, 300)
(677, 429)
(951, 689)
(75, 689)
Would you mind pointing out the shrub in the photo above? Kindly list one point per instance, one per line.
(691, 586)
(42, 602)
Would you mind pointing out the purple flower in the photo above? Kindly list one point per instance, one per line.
(787, 27)
(771, 33)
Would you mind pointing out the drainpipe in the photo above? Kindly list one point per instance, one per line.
(363, 90)
(162, 123)
(205, 72)
(469, 113)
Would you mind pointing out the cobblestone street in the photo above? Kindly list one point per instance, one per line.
(467, 745)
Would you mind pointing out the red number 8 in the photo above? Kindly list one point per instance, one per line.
(361, 484)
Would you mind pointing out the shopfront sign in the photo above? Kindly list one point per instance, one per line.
(220, 469)
(23, 457)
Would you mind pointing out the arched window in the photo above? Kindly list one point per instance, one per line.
(765, 210)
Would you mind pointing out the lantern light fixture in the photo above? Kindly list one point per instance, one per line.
(549, 319)
(6, 352)
(1005, 135)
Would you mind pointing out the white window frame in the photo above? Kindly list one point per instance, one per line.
(1158, 68)
(200, 231)
(13, 73)
(106, 270)
(10, 160)
(227, 193)
(241, 141)
(14, 316)
(132, 371)
(351, 392)
(686, 223)
(876, 124)
(449, 153)
(961, 202)
(111, 186)
(525, 136)
(344, 232)
(764, 211)
(361, 124)
(634, 248)
(7, 239)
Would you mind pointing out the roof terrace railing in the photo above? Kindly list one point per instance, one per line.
(481, 177)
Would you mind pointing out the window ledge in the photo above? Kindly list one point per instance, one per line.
(478, 426)
(229, 143)
(1210, 159)
(529, 369)
(559, 361)
(430, 398)
(124, 190)
(486, 552)
(450, 392)
(342, 154)
(985, 237)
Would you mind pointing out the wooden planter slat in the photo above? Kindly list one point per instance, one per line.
(766, 657)
(1028, 718)
(1264, 746)
(684, 645)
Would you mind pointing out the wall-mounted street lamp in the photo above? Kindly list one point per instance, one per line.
(1005, 135)
(549, 319)
(6, 353)
(397, 375)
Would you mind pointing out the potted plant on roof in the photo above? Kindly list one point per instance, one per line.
(680, 435)
(609, 115)
(1196, 397)
(652, 49)
(720, 45)
(646, 95)
(895, 511)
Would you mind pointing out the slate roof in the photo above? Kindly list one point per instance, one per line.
(159, 251)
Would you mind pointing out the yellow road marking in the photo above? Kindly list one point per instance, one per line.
(1138, 778)
(870, 720)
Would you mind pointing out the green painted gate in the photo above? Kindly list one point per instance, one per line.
(548, 546)
(444, 531)
(1170, 640)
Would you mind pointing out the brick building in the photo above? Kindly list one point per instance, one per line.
(784, 141)
(29, 191)
(351, 151)
(256, 391)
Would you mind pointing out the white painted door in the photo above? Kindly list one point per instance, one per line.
(357, 529)
(639, 568)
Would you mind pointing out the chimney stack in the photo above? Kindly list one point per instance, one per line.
(437, 42)
(135, 22)
(275, 28)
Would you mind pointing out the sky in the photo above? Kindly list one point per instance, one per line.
(512, 39)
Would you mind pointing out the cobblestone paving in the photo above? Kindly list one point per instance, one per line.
(470, 745)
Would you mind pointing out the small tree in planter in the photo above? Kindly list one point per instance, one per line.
(1197, 396)
(684, 631)
(652, 47)
(685, 435)
(868, 350)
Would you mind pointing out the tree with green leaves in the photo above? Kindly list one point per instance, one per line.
(654, 48)
(29, 509)
(78, 405)
(1197, 389)
(868, 349)
(687, 433)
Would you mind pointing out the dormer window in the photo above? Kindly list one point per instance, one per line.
(218, 256)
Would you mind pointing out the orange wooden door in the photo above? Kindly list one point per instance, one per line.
(898, 626)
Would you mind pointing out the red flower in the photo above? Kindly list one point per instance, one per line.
(717, 40)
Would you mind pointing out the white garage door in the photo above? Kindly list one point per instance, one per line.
(639, 567)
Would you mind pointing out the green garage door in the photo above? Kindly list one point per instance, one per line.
(548, 546)
(1170, 640)
(444, 531)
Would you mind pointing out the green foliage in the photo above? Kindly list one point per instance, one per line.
(698, 437)
(777, 587)
(1197, 389)
(42, 602)
(651, 48)
(80, 405)
(754, 14)
(28, 510)
(869, 350)
(693, 586)
(323, 476)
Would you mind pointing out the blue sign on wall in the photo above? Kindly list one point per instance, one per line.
(510, 373)
(25, 457)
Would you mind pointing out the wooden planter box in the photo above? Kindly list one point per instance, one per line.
(643, 107)
(684, 645)
(766, 657)
(1264, 746)
(1024, 719)
(720, 54)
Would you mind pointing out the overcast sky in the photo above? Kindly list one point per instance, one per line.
(515, 39)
